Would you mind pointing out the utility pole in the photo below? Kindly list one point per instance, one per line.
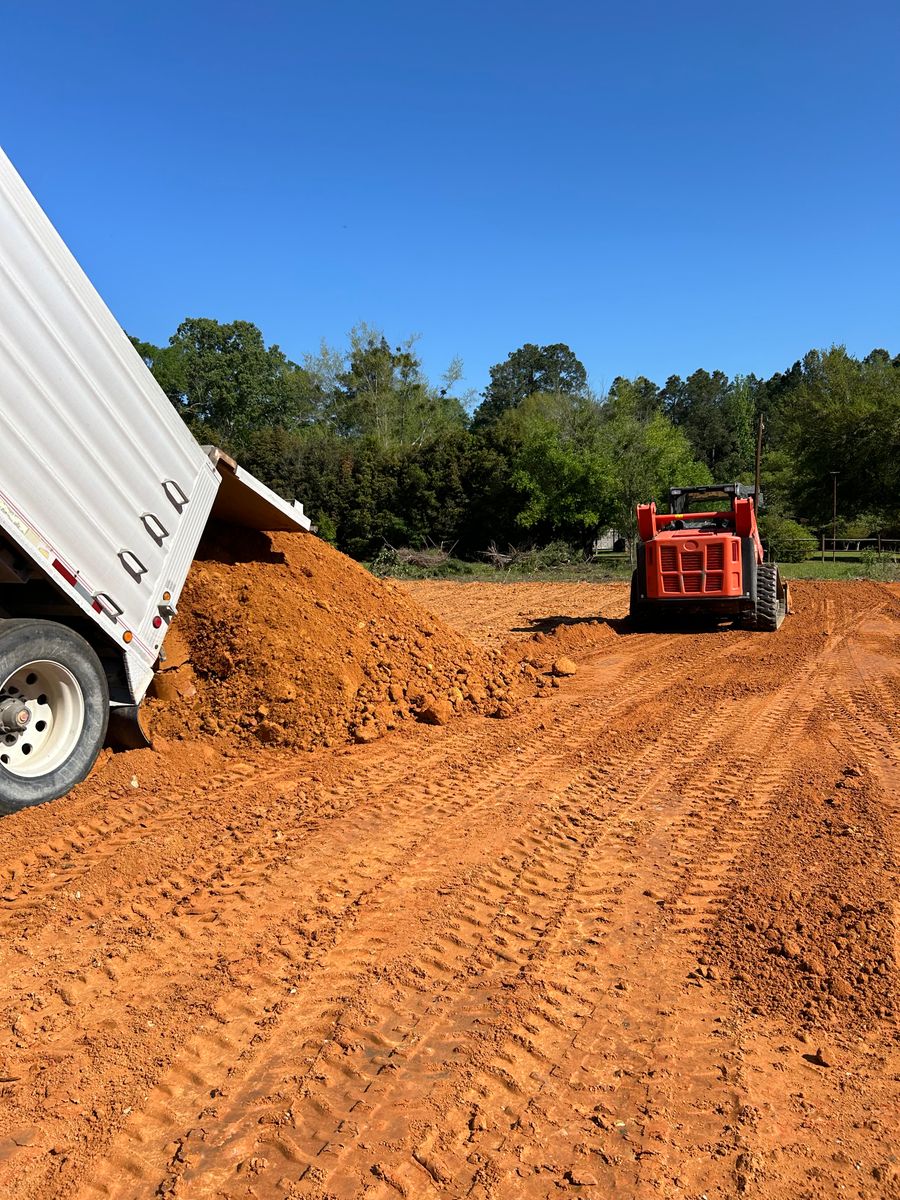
(759, 438)
(834, 475)
(756, 492)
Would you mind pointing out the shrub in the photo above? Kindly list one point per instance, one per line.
(403, 563)
(386, 563)
(785, 540)
(881, 566)
(544, 558)
(556, 554)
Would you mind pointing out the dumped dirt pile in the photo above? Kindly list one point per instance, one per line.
(287, 640)
(809, 933)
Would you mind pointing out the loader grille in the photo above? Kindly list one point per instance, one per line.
(698, 571)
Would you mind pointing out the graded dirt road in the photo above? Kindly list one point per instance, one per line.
(637, 940)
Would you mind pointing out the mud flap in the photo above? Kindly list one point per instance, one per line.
(125, 731)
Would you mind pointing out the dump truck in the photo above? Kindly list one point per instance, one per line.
(104, 495)
(704, 558)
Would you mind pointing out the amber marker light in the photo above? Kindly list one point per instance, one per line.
(127, 635)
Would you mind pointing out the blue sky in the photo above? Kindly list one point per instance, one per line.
(660, 185)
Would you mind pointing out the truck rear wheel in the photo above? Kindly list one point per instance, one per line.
(54, 708)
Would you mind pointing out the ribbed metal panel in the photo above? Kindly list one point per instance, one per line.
(88, 438)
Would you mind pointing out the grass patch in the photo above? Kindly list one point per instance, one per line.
(610, 568)
(885, 572)
(466, 572)
(812, 569)
(616, 568)
(592, 572)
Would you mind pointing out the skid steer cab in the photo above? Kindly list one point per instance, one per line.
(704, 558)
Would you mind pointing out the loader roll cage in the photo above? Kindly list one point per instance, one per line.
(739, 518)
(682, 500)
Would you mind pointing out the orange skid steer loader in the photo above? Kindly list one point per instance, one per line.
(705, 558)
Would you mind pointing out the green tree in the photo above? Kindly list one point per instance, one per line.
(381, 393)
(165, 365)
(526, 372)
(843, 415)
(226, 383)
(738, 449)
(717, 416)
(559, 475)
(650, 455)
(644, 394)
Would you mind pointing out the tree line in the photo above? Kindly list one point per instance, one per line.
(378, 453)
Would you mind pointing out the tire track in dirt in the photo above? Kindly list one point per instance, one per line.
(90, 985)
(102, 838)
(401, 983)
(489, 786)
(547, 875)
(568, 936)
(147, 826)
(873, 706)
(542, 751)
(774, 716)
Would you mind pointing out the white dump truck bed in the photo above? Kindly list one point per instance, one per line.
(102, 487)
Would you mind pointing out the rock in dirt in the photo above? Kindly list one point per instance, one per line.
(564, 666)
(821, 1058)
(840, 989)
(367, 732)
(437, 712)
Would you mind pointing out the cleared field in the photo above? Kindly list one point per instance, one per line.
(637, 939)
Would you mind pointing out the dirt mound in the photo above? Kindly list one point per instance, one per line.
(286, 640)
(809, 933)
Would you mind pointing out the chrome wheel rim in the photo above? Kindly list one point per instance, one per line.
(53, 696)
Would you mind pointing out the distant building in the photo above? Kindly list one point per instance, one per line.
(609, 540)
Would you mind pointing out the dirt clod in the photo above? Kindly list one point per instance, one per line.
(581, 1178)
(436, 712)
(564, 666)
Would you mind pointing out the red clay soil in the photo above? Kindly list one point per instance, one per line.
(498, 614)
(810, 935)
(287, 640)
(638, 940)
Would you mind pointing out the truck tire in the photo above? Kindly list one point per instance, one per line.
(771, 598)
(58, 677)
